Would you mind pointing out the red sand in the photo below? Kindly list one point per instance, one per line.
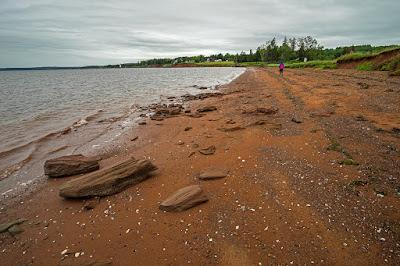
(287, 200)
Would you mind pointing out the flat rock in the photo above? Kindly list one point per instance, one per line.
(207, 109)
(208, 151)
(70, 165)
(4, 227)
(213, 173)
(108, 181)
(183, 199)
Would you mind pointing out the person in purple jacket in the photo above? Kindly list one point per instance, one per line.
(281, 68)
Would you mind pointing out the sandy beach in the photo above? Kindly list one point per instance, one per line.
(314, 167)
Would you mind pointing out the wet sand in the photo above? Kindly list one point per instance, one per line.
(287, 199)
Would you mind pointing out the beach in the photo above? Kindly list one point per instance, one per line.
(313, 162)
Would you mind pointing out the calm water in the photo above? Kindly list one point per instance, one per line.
(34, 103)
(35, 106)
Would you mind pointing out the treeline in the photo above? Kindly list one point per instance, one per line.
(289, 49)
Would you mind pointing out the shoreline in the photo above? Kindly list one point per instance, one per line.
(114, 131)
(283, 200)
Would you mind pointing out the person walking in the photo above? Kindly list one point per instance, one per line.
(281, 68)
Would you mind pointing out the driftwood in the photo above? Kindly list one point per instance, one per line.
(184, 199)
(70, 165)
(108, 181)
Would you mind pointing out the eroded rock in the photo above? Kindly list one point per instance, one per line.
(213, 173)
(70, 165)
(183, 199)
(108, 181)
(209, 150)
(209, 108)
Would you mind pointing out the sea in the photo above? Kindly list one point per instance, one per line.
(48, 113)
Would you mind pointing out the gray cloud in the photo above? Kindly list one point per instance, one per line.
(55, 32)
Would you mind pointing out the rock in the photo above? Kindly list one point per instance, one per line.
(363, 85)
(108, 181)
(15, 230)
(202, 88)
(134, 138)
(208, 151)
(70, 165)
(183, 199)
(297, 120)
(162, 111)
(188, 128)
(91, 203)
(348, 161)
(206, 109)
(196, 115)
(4, 227)
(230, 121)
(201, 96)
(213, 173)
(142, 123)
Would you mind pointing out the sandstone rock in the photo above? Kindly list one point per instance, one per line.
(162, 111)
(213, 173)
(108, 181)
(70, 165)
(183, 199)
(206, 109)
(208, 151)
(4, 227)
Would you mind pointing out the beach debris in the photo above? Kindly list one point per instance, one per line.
(108, 181)
(209, 150)
(208, 108)
(6, 226)
(183, 199)
(70, 165)
(213, 173)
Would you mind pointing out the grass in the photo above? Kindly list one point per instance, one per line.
(367, 66)
(216, 64)
(360, 56)
(322, 64)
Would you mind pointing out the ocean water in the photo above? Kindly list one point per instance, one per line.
(37, 106)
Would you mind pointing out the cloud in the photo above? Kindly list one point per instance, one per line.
(55, 32)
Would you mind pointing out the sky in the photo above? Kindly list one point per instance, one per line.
(97, 32)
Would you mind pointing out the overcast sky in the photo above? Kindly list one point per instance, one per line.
(79, 32)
